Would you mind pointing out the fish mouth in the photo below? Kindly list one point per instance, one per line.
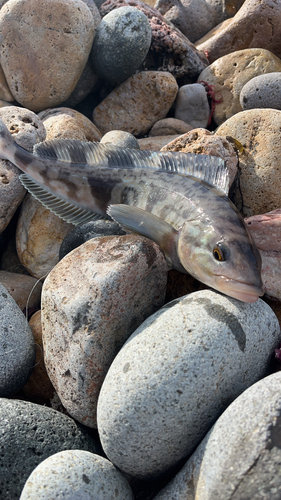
(238, 290)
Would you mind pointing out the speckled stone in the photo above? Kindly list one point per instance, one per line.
(91, 302)
(258, 131)
(192, 105)
(230, 73)
(121, 139)
(136, 104)
(92, 229)
(177, 373)
(157, 142)
(39, 235)
(30, 433)
(240, 458)
(27, 129)
(121, 44)
(84, 86)
(67, 123)
(76, 474)
(25, 290)
(256, 24)
(201, 141)
(5, 93)
(17, 347)
(169, 48)
(57, 50)
(263, 91)
(169, 126)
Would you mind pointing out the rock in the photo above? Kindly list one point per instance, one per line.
(201, 141)
(156, 143)
(93, 7)
(256, 24)
(76, 474)
(5, 93)
(27, 129)
(173, 378)
(42, 62)
(194, 18)
(66, 123)
(192, 105)
(38, 387)
(180, 284)
(137, 104)
(169, 126)
(30, 433)
(25, 290)
(84, 86)
(242, 455)
(91, 302)
(170, 50)
(263, 91)
(17, 346)
(266, 232)
(121, 44)
(230, 73)
(258, 131)
(121, 139)
(39, 236)
(84, 232)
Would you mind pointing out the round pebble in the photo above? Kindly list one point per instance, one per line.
(121, 43)
(92, 229)
(76, 474)
(177, 373)
(121, 139)
(30, 433)
(17, 346)
(263, 91)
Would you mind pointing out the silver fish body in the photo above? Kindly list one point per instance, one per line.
(169, 197)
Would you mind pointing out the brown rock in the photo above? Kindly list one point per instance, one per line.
(66, 123)
(258, 131)
(27, 129)
(5, 93)
(84, 86)
(169, 126)
(137, 103)
(39, 236)
(91, 303)
(39, 387)
(25, 290)
(266, 232)
(201, 141)
(230, 73)
(156, 143)
(45, 46)
(170, 50)
(256, 24)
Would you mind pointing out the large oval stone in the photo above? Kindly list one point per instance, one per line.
(45, 46)
(177, 373)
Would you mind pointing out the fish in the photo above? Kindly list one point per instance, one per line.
(179, 200)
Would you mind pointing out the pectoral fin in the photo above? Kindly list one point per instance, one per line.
(136, 220)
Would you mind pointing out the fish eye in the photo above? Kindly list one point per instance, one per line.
(220, 252)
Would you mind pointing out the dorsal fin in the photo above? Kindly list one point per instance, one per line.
(210, 169)
(64, 209)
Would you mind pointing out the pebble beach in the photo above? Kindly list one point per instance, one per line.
(121, 378)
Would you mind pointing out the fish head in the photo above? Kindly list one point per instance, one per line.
(222, 254)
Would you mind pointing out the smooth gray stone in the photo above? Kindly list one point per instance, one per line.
(121, 44)
(30, 433)
(120, 138)
(192, 105)
(92, 229)
(263, 91)
(76, 475)
(177, 373)
(17, 346)
(240, 458)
